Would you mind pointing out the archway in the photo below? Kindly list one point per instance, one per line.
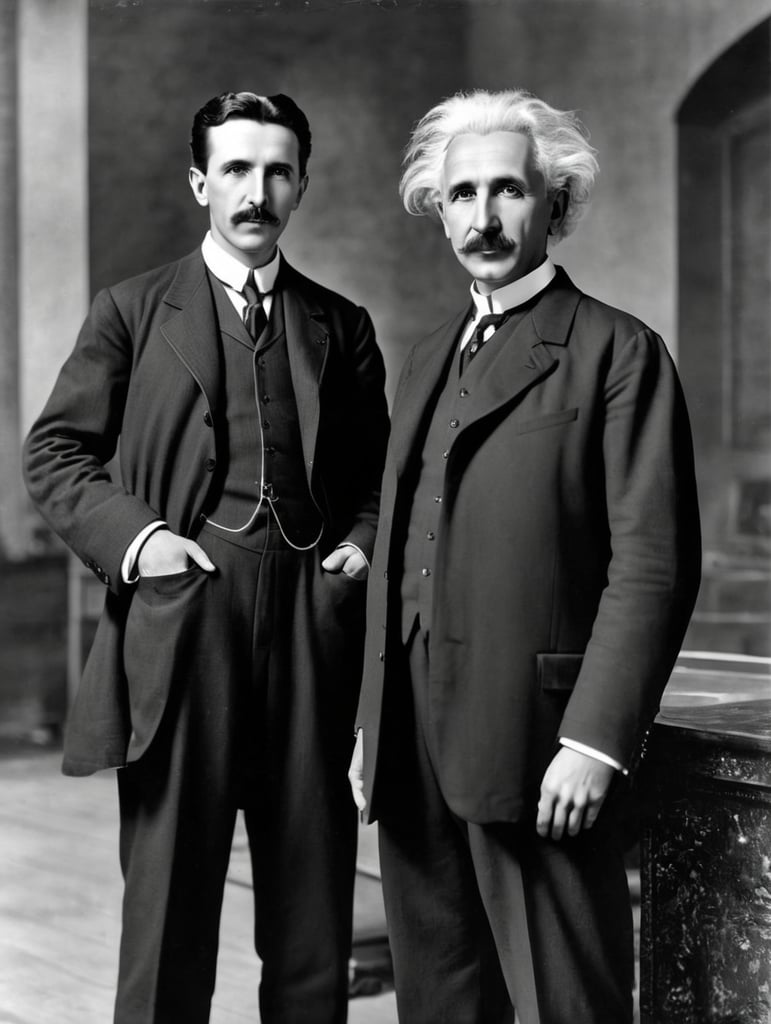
(724, 258)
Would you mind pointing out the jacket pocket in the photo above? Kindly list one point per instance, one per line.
(558, 671)
(164, 628)
(551, 419)
(154, 590)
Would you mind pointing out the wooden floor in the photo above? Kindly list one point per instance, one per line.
(60, 892)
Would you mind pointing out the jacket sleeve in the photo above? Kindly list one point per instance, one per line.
(67, 450)
(654, 569)
(367, 431)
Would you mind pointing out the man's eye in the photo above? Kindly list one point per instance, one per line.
(510, 190)
(236, 169)
(462, 194)
(280, 172)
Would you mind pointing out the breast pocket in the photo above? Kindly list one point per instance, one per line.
(551, 419)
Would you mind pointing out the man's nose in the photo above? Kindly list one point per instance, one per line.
(256, 188)
(485, 217)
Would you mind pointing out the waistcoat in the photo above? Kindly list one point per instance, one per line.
(261, 461)
(418, 566)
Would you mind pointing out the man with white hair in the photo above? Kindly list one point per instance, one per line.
(536, 565)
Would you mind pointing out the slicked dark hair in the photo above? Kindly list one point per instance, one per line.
(278, 109)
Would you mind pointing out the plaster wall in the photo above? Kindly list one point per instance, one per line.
(10, 497)
(626, 65)
(52, 198)
(107, 90)
(364, 73)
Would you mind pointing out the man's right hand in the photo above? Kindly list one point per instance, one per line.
(165, 553)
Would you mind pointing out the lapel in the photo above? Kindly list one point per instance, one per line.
(307, 340)
(422, 377)
(522, 356)
(191, 329)
(228, 320)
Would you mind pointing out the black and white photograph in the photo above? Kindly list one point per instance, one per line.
(385, 517)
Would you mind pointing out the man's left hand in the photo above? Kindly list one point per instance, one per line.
(572, 793)
(349, 560)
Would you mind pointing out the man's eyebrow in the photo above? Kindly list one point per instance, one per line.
(457, 186)
(497, 182)
(508, 179)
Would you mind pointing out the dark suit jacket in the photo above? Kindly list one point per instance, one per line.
(146, 370)
(568, 554)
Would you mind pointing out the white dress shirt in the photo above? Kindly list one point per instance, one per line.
(507, 297)
(233, 274)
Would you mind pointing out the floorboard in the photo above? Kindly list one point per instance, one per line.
(60, 894)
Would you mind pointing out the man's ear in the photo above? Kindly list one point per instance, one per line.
(439, 207)
(302, 188)
(558, 210)
(197, 180)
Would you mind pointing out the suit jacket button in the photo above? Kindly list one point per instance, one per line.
(381, 656)
(210, 464)
(207, 418)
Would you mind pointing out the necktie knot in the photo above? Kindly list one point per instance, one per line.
(250, 291)
(493, 320)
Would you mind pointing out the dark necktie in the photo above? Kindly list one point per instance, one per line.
(473, 346)
(254, 313)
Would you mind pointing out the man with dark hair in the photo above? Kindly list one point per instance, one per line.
(279, 109)
(536, 564)
(249, 405)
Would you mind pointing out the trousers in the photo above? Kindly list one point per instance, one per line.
(484, 919)
(263, 671)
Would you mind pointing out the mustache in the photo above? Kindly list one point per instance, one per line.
(484, 243)
(254, 215)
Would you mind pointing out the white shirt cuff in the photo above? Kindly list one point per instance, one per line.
(128, 565)
(591, 752)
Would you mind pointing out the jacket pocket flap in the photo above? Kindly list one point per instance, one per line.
(558, 671)
(551, 419)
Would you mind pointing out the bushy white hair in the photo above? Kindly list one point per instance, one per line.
(561, 147)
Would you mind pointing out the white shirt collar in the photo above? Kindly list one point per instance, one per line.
(232, 272)
(514, 294)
